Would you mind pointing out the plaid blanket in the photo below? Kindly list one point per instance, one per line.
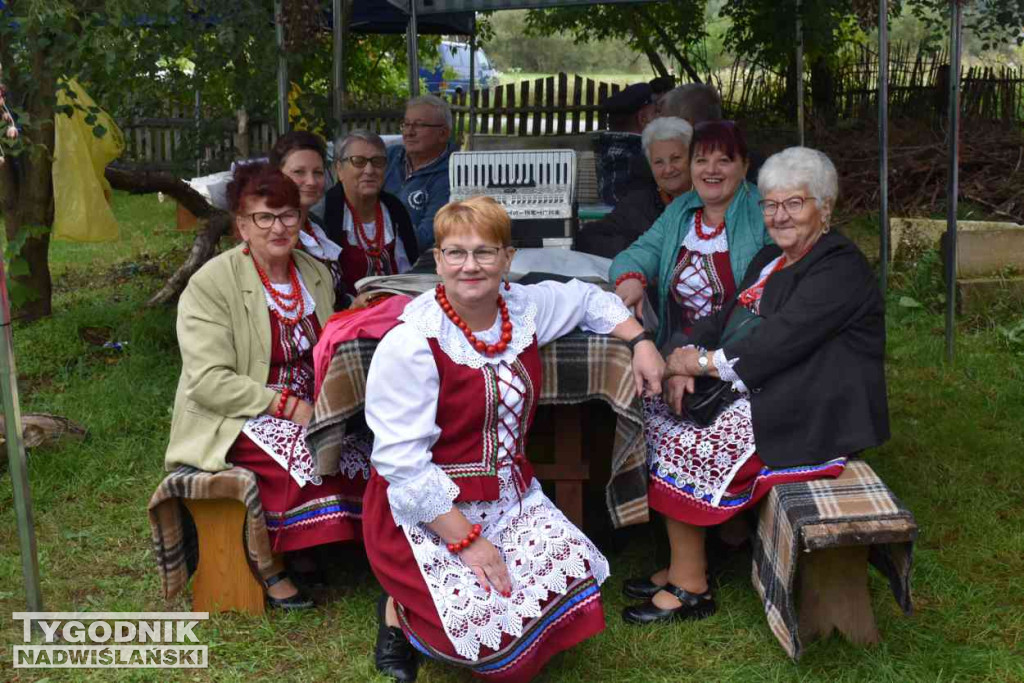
(175, 543)
(789, 515)
(578, 367)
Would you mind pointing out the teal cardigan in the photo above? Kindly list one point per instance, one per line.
(654, 254)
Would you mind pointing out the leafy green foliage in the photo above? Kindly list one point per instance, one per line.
(672, 28)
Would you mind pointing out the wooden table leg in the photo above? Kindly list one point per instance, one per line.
(223, 580)
(569, 458)
(834, 594)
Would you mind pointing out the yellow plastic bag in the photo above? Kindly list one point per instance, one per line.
(81, 194)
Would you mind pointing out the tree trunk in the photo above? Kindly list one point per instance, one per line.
(823, 91)
(28, 199)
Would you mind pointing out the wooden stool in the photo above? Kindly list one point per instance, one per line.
(833, 577)
(223, 581)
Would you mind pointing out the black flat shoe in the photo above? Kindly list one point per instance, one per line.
(293, 602)
(393, 655)
(695, 606)
(640, 588)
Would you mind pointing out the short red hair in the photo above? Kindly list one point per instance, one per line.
(265, 182)
(482, 215)
(724, 136)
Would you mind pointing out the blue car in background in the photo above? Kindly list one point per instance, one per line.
(450, 75)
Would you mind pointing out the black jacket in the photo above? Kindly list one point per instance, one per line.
(815, 364)
(334, 220)
(633, 215)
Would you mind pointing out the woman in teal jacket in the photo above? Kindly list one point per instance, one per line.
(700, 247)
(695, 254)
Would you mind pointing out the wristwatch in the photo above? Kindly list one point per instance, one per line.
(703, 363)
(639, 338)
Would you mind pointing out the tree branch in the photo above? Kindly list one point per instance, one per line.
(669, 45)
(216, 222)
(148, 182)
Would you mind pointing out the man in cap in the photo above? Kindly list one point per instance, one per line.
(628, 112)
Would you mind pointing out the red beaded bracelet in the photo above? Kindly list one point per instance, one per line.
(285, 393)
(633, 274)
(459, 546)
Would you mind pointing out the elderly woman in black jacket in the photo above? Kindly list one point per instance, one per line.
(801, 343)
(666, 145)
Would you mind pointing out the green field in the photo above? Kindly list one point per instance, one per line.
(954, 460)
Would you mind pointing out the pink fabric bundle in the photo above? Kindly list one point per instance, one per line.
(366, 323)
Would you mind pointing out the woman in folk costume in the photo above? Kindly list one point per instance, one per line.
(372, 227)
(247, 323)
(482, 569)
(301, 156)
(801, 345)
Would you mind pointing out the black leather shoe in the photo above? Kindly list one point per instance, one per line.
(393, 655)
(293, 602)
(695, 606)
(640, 588)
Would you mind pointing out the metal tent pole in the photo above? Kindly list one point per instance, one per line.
(282, 70)
(472, 80)
(956, 29)
(799, 74)
(16, 456)
(883, 141)
(412, 41)
(338, 67)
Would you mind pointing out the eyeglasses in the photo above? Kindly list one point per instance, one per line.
(792, 206)
(484, 256)
(361, 161)
(411, 126)
(264, 220)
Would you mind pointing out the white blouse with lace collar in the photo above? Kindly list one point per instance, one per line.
(402, 384)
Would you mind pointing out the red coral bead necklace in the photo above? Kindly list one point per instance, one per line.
(288, 302)
(698, 226)
(481, 347)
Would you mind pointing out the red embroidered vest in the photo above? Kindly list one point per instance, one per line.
(357, 264)
(469, 449)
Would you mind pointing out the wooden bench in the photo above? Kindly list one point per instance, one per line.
(223, 580)
(812, 549)
(833, 574)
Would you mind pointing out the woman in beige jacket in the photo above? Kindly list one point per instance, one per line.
(247, 323)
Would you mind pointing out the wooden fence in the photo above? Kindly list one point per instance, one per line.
(545, 106)
(564, 104)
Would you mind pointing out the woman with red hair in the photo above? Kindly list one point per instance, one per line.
(247, 324)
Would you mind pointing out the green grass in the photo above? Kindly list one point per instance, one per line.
(954, 459)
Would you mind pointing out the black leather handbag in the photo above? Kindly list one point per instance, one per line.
(711, 394)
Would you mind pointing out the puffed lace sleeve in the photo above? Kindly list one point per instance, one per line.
(726, 372)
(561, 307)
(401, 409)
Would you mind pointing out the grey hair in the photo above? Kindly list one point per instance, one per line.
(342, 144)
(801, 167)
(695, 102)
(666, 128)
(439, 105)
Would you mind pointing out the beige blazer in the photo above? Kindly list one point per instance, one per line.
(224, 337)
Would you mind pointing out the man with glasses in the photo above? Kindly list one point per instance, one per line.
(418, 168)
